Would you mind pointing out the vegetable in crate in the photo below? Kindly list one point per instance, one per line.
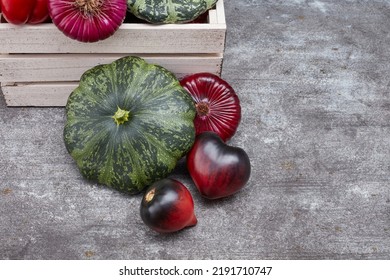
(217, 105)
(168, 11)
(24, 11)
(88, 20)
(128, 123)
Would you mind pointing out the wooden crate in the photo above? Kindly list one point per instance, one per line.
(39, 66)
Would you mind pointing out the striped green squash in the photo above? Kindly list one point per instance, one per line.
(169, 11)
(128, 123)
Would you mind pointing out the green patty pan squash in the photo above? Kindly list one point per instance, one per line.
(128, 123)
(169, 11)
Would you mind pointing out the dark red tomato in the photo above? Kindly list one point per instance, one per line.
(218, 170)
(25, 11)
(217, 105)
(167, 206)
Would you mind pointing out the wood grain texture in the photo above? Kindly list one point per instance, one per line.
(312, 77)
(38, 94)
(70, 67)
(40, 80)
(130, 38)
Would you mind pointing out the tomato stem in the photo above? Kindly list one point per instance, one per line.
(150, 195)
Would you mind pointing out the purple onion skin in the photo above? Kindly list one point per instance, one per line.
(217, 105)
(87, 27)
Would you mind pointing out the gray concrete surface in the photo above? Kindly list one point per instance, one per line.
(313, 78)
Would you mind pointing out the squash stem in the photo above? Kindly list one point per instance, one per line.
(121, 116)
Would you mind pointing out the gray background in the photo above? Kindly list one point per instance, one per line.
(313, 79)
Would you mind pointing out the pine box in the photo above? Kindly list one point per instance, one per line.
(39, 66)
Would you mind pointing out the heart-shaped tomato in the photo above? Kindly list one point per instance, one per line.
(217, 169)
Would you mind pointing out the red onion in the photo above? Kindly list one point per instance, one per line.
(217, 105)
(88, 20)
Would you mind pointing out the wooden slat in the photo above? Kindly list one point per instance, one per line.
(130, 38)
(70, 67)
(19, 91)
(213, 16)
(220, 11)
(38, 94)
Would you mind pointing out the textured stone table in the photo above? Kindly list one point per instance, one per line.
(313, 78)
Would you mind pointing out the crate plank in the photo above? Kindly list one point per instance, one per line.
(37, 94)
(220, 12)
(130, 38)
(70, 67)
